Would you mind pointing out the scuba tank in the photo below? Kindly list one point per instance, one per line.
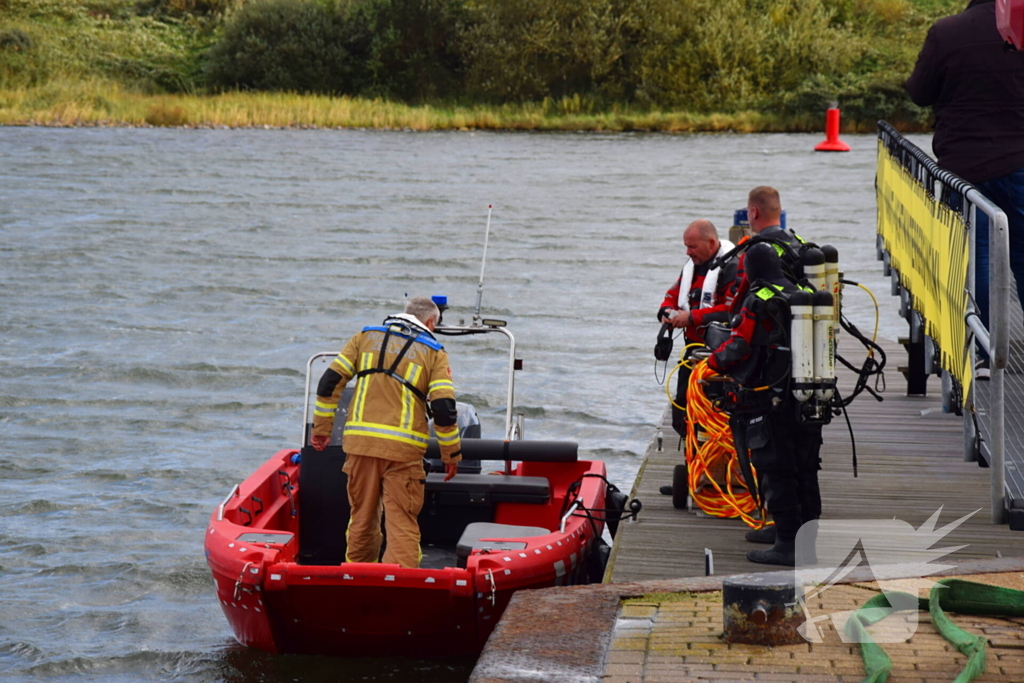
(832, 283)
(801, 343)
(824, 346)
(813, 263)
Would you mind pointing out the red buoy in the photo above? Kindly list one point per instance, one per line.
(832, 142)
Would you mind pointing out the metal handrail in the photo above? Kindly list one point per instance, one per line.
(998, 348)
(511, 431)
(483, 329)
(223, 504)
(309, 381)
(942, 185)
(565, 518)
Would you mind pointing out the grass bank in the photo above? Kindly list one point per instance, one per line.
(94, 102)
(576, 65)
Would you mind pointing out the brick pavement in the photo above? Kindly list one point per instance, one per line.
(668, 630)
(673, 637)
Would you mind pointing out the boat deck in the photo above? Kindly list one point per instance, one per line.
(910, 463)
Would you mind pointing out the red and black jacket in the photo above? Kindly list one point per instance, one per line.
(725, 290)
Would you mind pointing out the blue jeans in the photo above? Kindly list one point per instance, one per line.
(1007, 192)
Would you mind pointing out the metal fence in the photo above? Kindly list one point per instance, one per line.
(993, 410)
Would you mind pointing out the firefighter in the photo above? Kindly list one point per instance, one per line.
(784, 449)
(701, 294)
(402, 377)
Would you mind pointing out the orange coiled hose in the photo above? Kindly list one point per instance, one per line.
(711, 459)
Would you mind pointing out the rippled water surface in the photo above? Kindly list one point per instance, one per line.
(161, 290)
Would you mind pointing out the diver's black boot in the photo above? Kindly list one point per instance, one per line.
(765, 535)
(781, 553)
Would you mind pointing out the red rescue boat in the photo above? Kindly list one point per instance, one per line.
(276, 544)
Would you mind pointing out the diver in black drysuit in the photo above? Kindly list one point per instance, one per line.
(784, 449)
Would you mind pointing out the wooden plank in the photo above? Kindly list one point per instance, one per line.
(910, 463)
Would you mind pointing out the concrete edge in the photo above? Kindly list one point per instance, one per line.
(562, 635)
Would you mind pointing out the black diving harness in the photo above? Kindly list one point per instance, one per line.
(411, 336)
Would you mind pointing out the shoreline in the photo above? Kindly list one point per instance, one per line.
(694, 130)
(99, 104)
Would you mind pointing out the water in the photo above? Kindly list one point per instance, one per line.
(161, 290)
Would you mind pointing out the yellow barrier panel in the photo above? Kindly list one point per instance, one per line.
(927, 245)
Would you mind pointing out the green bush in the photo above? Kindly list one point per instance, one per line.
(104, 38)
(289, 45)
(399, 49)
(197, 8)
(571, 57)
(864, 98)
(741, 54)
(23, 60)
(702, 55)
(15, 40)
(406, 49)
(520, 50)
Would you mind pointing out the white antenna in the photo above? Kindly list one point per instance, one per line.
(483, 264)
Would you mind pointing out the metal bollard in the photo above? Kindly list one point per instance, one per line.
(761, 611)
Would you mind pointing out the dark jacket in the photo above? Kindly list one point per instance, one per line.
(976, 87)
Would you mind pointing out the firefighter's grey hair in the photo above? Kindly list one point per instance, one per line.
(423, 308)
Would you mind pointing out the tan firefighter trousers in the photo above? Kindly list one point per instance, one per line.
(376, 484)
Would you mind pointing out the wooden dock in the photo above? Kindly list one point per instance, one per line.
(910, 463)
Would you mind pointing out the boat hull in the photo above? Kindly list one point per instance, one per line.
(275, 604)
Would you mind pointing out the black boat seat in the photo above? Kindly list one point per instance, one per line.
(471, 538)
(485, 488)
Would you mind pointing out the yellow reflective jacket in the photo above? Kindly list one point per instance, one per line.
(387, 417)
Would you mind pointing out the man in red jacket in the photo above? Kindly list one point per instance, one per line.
(700, 295)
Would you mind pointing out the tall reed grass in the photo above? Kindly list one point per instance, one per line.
(95, 102)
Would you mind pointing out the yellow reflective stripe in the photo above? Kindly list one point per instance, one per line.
(412, 433)
(345, 364)
(440, 385)
(324, 409)
(365, 362)
(447, 436)
(382, 431)
(412, 374)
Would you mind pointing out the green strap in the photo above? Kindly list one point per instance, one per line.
(955, 595)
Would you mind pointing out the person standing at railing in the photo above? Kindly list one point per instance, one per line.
(975, 84)
(701, 294)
